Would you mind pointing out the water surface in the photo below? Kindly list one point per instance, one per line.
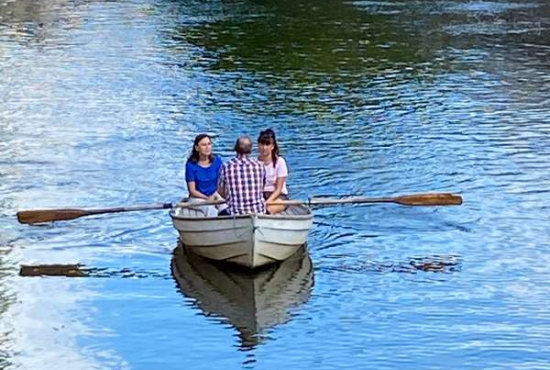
(100, 101)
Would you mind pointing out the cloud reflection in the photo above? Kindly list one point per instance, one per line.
(46, 322)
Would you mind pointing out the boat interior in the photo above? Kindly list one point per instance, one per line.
(200, 212)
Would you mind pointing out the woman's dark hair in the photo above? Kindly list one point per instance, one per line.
(194, 157)
(267, 137)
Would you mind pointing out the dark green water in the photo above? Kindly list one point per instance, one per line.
(100, 101)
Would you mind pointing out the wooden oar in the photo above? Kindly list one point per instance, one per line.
(49, 215)
(427, 199)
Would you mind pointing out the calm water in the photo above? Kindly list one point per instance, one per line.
(100, 100)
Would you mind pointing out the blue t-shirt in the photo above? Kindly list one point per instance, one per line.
(205, 178)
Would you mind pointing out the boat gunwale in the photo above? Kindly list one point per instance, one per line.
(307, 216)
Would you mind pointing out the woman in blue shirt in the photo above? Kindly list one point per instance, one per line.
(201, 174)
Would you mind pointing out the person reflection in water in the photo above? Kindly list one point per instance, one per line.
(202, 173)
(242, 181)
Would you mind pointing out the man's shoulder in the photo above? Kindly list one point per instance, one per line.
(231, 162)
(259, 165)
(255, 161)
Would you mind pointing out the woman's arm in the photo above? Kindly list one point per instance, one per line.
(193, 192)
(279, 184)
(222, 191)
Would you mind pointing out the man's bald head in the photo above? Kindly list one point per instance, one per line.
(243, 146)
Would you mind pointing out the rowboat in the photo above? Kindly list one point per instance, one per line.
(252, 302)
(250, 241)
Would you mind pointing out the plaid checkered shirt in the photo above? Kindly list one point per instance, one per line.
(243, 179)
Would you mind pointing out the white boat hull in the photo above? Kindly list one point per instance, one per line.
(247, 240)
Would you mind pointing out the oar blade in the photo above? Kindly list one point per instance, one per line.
(53, 270)
(48, 215)
(430, 199)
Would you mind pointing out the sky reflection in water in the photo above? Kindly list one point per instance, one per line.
(100, 101)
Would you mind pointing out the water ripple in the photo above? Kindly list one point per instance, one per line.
(99, 104)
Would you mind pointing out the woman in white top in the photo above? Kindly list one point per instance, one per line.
(276, 171)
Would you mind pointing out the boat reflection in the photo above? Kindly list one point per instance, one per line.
(252, 302)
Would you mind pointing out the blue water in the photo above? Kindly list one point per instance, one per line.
(100, 101)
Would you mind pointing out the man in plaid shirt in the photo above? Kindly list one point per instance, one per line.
(242, 181)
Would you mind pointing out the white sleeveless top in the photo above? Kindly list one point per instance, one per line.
(272, 172)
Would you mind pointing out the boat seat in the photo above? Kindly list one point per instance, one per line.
(295, 211)
(190, 212)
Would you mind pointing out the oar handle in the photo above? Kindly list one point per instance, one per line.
(130, 208)
(216, 202)
(330, 201)
(198, 204)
